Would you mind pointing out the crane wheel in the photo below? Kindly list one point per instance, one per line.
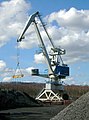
(65, 96)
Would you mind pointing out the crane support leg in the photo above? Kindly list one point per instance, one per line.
(48, 94)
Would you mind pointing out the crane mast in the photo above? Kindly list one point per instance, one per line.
(44, 49)
(55, 71)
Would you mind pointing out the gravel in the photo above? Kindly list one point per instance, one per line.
(78, 110)
(16, 99)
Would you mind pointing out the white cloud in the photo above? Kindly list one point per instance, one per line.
(13, 15)
(7, 74)
(29, 70)
(70, 80)
(39, 58)
(2, 65)
(72, 18)
(7, 79)
(30, 40)
(72, 33)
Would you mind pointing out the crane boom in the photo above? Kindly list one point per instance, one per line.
(28, 23)
(31, 19)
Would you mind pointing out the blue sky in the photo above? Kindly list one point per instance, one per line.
(52, 5)
(68, 24)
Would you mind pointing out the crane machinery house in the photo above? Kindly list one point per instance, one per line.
(62, 71)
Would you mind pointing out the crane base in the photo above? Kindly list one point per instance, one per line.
(49, 95)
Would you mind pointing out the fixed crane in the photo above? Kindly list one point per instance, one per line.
(57, 70)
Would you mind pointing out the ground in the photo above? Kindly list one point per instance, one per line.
(31, 113)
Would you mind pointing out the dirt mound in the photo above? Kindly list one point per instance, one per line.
(14, 99)
(78, 110)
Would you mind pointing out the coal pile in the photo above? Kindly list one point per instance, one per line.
(15, 99)
(78, 110)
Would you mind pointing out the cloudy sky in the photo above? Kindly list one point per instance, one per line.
(67, 22)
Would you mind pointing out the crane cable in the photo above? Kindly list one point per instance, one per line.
(18, 69)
